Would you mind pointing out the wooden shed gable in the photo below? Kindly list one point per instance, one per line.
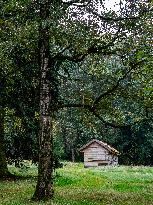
(94, 144)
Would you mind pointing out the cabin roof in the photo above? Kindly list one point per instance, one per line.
(105, 145)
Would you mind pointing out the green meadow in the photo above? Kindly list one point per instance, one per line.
(75, 185)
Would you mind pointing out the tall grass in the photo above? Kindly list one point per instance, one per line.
(75, 185)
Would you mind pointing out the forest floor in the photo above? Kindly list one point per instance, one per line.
(75, 185)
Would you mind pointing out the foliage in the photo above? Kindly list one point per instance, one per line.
(20, 138)
(83, 42)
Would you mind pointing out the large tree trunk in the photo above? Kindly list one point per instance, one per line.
(44, 188)
(4, 173)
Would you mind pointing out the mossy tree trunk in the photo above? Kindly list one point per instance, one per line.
(44, 187)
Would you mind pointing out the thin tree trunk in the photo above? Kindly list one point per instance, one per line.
(44, 187)
(4, 173)
(73, 154)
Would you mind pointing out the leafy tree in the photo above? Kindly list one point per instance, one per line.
(20, 138)
(58, 41)
(18, 87)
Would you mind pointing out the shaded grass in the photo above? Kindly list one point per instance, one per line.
(75, 185)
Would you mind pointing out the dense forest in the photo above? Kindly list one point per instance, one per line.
(71, 71)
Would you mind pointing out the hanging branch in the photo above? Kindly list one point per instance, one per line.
(93, 111)
(111, 90)
(90, 109)
(91, 50)
(82, 3)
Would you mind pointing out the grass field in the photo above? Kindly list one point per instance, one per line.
(75, 185)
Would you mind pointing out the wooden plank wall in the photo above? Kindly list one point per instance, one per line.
(96, 154)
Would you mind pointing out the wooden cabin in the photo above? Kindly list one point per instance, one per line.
(98, 153)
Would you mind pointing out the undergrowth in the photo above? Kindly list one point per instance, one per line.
(75, 185)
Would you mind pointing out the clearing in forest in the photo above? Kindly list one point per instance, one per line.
(75, 185)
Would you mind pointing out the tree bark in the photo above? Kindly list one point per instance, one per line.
(73, 154)
(44, 187)
(4, 173)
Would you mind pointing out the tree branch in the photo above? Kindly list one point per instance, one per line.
(93, 111)
(80, 3)
(112, 19)
(141, 13)
(92, 49)
(110, 124)
(111, 90)
(90, 109)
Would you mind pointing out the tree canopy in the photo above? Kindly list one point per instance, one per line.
(75, 54)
